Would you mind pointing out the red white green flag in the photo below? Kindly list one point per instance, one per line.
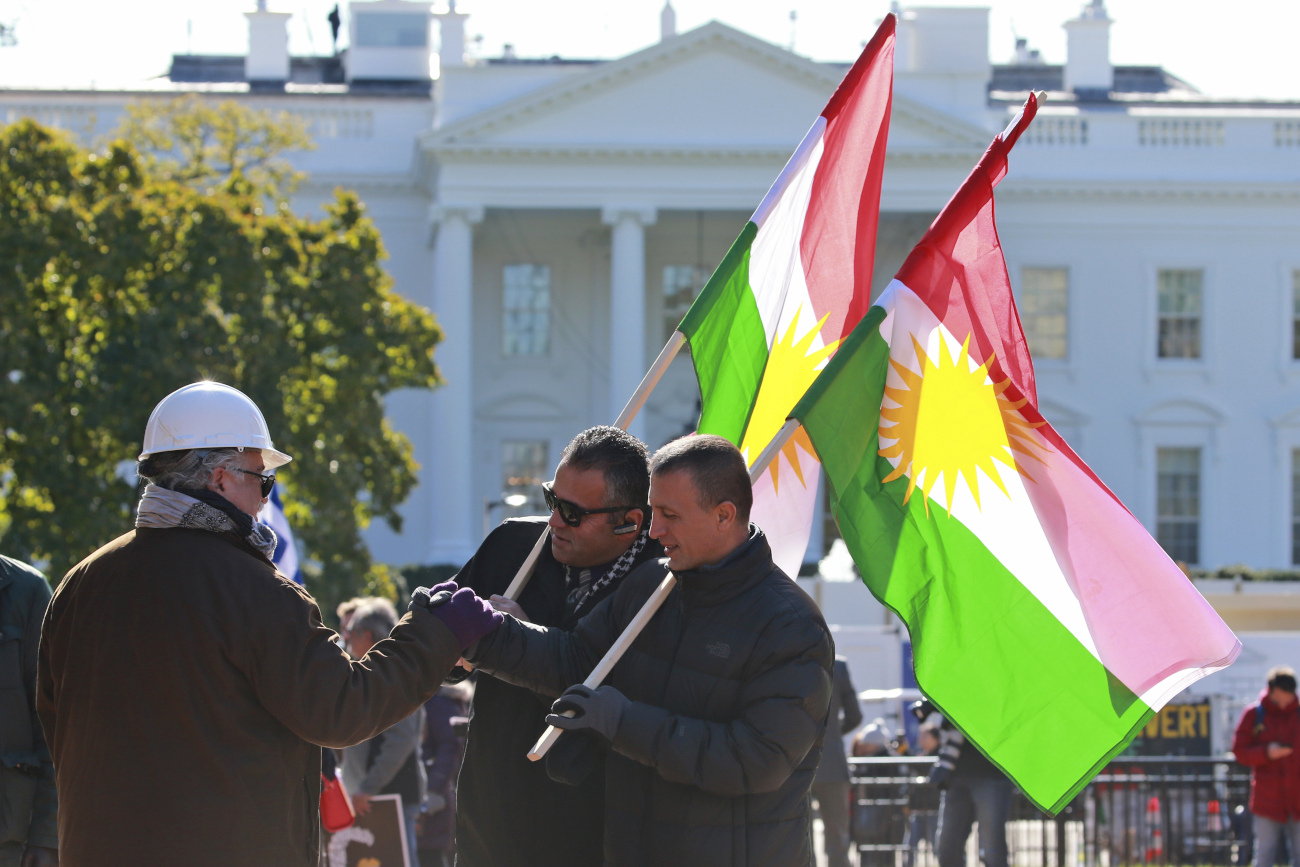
(1046, 622)
(793, 285)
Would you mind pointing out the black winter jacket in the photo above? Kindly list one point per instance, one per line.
(730, 684)
(508, 810)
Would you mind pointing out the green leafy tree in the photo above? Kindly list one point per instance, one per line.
(198, 142)
(125, 275)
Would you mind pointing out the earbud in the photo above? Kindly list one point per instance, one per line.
(623, 529)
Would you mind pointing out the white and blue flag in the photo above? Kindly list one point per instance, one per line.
(285, 557)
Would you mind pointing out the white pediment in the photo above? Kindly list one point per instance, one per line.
(1061, 416)
(714, 89)
(522, 407)
(1182, 412)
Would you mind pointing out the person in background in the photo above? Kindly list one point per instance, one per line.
(923, 801)
(1265, 742)
(441, 750)
(346, 609)
(973, 790)
(389, 763)
(875, 820)
(873, 740)
(831, 785)
(28, 831)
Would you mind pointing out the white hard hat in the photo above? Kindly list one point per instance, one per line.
(209, 415)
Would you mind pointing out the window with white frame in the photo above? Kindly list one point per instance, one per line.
(1178, 502)
(1044, 295)
(526, 311)
(682, 284)
(1295, 507)
(1295, 313)
(1179, 305)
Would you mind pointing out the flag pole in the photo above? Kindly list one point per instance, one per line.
(639, 621)
(634, 405)
(611, 658)
(773, 448)
(651, 379)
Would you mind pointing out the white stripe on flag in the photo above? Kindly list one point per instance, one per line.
(286, 553)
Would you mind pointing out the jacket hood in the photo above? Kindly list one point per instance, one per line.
(1271, 706)
(739, 571)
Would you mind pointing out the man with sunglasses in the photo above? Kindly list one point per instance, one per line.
(715, 716)
(508, 810)
(186, 687)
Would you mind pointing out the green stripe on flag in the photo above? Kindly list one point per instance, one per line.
(987, 652)
(728, 343)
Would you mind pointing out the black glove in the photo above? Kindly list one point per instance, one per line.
(596, 710)
(456, 675)
(575, 756)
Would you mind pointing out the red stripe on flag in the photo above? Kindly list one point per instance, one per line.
(958, 270)
(838, 245)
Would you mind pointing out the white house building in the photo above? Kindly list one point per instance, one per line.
(558, 216)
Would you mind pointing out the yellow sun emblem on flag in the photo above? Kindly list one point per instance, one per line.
(950, 421)
(792, 365)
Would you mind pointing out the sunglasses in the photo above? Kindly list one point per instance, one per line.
(571, 513)
(268, 481)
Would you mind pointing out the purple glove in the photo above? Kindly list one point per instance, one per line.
(467, 616)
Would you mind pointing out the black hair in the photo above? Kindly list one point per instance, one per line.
(622, 458)
(717, 468)
(1283, 678)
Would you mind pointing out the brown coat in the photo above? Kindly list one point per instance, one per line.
(186, 688)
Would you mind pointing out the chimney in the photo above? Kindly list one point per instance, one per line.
(267, 62)
(1088, 73)
(904, 36)
(452, 48)
(667, 21)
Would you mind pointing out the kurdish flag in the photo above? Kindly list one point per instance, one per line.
(792, 286)
(1046, 623)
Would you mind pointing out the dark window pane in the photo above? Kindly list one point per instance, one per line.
(1178, 502)
(1180, 337)
(1179, 307)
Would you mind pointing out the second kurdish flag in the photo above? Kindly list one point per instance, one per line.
(1046, 623)
(792, 286)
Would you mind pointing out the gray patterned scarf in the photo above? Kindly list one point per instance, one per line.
(583, 587)
(161, 508)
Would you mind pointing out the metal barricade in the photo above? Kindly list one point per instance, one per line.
(1138, 810)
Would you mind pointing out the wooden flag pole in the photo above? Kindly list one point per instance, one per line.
(772, 449)
(651, 379)
(639, 397)
(653, 604)
(611, 658)
(525, 572)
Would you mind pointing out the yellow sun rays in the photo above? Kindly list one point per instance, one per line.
(952, 421)
(792, 365)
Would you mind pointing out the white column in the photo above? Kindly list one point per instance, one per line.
(627, 327)
(453, 535)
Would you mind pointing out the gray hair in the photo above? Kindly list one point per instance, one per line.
(190, 469)
(375, 615)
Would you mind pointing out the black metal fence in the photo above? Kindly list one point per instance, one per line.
(1149, 810)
